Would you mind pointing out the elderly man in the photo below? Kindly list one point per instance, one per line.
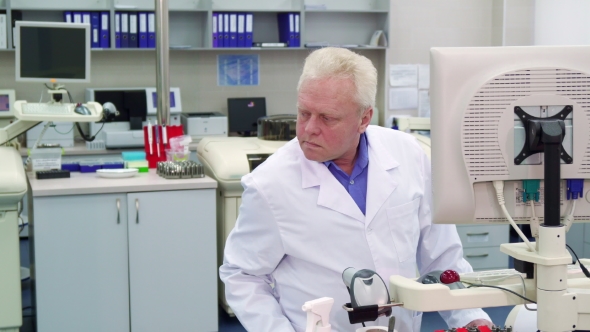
(343, 194)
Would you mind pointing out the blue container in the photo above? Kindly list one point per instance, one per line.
(133, 155)
(90, 166)
(113, 164)
(72, 166)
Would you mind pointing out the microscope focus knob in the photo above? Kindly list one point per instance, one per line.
(449, 277)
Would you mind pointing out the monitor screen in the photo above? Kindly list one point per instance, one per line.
(52, 52)
(482, 102)
(4, 103)
(243, 114)
(155, 99)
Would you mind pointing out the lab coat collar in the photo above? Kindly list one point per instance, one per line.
(334, 196)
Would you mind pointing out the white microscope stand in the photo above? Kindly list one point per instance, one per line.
(562, 304)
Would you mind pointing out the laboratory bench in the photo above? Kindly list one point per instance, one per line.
(124, 254)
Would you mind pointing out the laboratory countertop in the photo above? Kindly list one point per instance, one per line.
(91, 183)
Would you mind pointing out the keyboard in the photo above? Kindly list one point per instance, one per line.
(56, 112)
(490, 274)
(42, 108)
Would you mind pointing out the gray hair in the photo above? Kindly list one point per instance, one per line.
(332, 62)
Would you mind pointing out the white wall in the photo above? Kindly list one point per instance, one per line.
(564, 22)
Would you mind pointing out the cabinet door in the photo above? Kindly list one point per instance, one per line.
(172, 261)
(81, 263)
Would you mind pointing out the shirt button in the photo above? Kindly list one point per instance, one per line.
(351, 181)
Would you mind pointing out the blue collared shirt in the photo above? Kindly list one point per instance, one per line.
(356, 183)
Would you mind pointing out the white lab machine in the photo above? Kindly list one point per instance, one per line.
(136, 106)
(502, 116)
(61, 133)
(200, 125)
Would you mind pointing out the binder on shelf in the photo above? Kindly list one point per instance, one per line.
(133, 42)
(77, 17)
(220, 29)
(249, 34)
(86, 18)
(117, 30)
(151, 30)
(286, 23)
(297, 35)
(233, 30)
(17, 15)
(94, 29)
(143, 34)
(291, 33)
(241, 30)
(225, 29)
(124, 30)
(214, 29)
(105, 35)
(68, 17)
(3, 42)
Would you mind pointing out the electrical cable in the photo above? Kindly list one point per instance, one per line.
(584, 269)
(59, 132)
(500, 288)
(499, 186)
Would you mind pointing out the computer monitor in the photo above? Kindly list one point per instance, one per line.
(478, 136)
(7, 103)
(51, 52)
(243, 114)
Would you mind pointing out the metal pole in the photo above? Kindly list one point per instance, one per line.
(162, 62)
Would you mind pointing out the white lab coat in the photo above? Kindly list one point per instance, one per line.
(298, 229)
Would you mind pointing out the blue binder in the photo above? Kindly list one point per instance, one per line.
(248, 32)
(297, 35)
(151, 30)
(68, 17)
(94, 29)
(105, 30)
(143, 33)
(214, 29)
(225, 29)
(117, 30)
(220, 30)
(233, 30)
(133, 42)
(241, 30)
(124, 30)
(283, 20)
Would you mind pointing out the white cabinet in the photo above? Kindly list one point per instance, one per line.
(481, 245)
(125, 262)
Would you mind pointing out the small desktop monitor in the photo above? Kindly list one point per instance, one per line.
(7, 103)
(479, 97)
(243, 114)
(51, 52)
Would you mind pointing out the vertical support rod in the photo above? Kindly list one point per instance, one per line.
(162, 62)
(552, 165)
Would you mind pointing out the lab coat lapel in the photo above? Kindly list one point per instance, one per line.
(332, 194)
(381, 182)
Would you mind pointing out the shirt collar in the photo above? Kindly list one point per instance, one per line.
(362, 159)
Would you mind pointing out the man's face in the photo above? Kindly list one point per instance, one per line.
(328, 120)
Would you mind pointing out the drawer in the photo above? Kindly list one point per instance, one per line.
(473, 236)
(486, 258)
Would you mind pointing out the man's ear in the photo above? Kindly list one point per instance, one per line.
(366, 119)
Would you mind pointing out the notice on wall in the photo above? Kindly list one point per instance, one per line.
(403, 75)
(403, 98)
(423, 104)
(423, 76)
(237, 70)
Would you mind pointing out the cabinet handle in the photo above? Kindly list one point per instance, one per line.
(473, 256)
(475, 234)
(137, 211)
(118, 211)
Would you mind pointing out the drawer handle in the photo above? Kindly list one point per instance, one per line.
(474, 256)
(118, 211)
(137, 211)
(478, 234)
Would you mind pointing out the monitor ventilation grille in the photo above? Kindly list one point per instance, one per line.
(480, 146)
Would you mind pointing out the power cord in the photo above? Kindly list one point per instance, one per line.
(584, 269)
(499, 186)
(501, 288)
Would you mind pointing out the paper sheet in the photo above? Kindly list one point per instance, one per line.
(423, 76)
(403, 75)
(423, 104)
(403, 98)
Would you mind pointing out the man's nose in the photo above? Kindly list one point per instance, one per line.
(312, 126)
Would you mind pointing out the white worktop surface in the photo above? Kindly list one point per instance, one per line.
(91, 183)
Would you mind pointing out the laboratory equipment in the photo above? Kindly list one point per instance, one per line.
(281, 127)
(60, 133)
(199, 125)
(180, 169)
(227, 159)
(493, 111)
(7, 98)
(318, 314)
(136, 106)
